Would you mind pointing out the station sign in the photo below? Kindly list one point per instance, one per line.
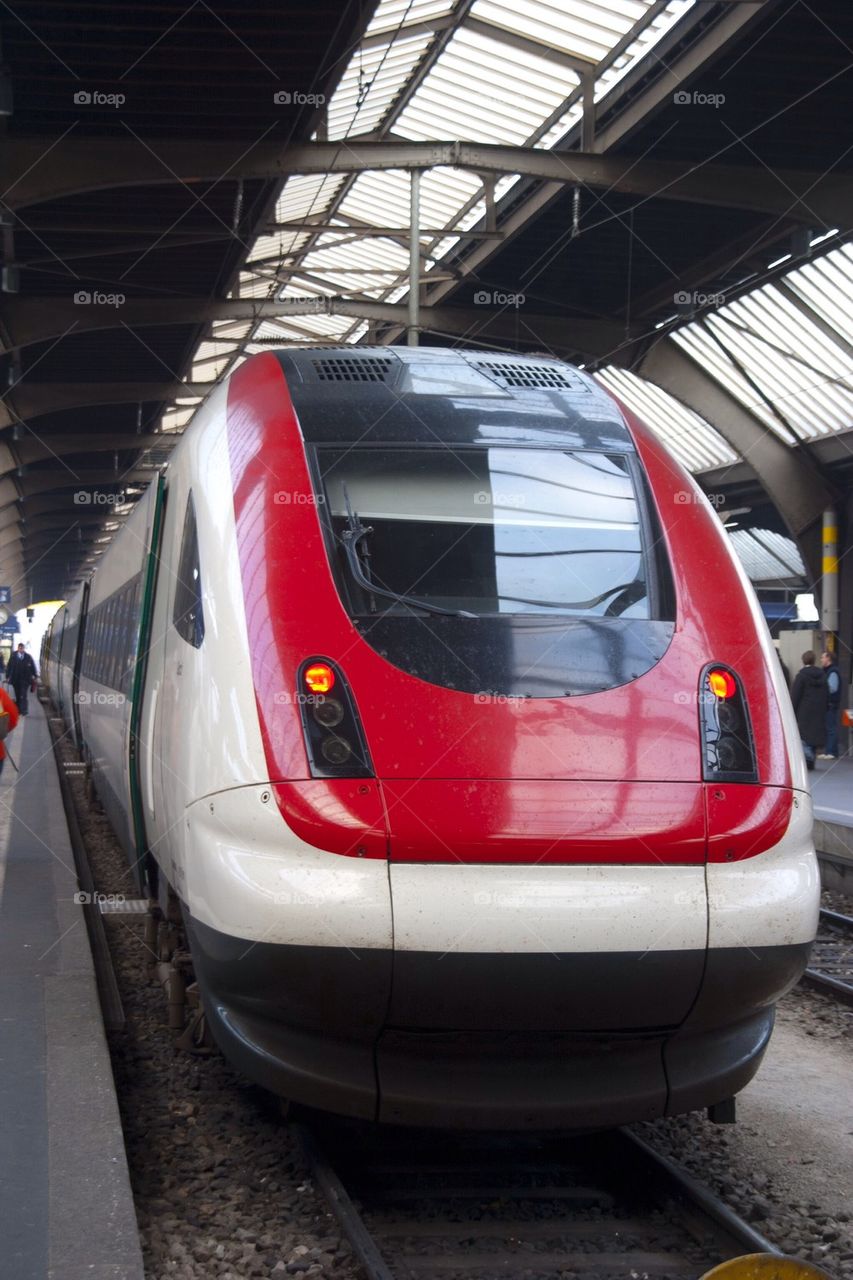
(5, 595)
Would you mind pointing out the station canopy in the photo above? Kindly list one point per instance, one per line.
(658, 181)
(431, 69)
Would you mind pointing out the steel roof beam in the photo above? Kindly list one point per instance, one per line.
(33, 399)
(32, 320)
(43, 508)
(36, 448)
(60, 479)
(101, 163)
(361, 231)
(613, 123)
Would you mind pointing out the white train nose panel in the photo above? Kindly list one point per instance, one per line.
(581, 948)
(250, 876)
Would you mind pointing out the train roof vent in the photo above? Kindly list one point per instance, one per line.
(353, 368)
(530, 375)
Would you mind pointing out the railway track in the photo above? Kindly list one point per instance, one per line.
(537, 1207)
(831, 967)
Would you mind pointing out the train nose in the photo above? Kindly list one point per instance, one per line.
(546, 905)
(545, 822)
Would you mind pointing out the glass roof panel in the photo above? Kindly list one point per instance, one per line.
(826, 286)
(767, 556)
(801, 374)
(485, 91)
(696, 444)
(370, 84)
(390, 14)
(586, 28)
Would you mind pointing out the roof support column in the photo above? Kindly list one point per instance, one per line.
(588, 118)
(414, 260)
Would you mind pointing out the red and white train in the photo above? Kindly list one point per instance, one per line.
(429, 683)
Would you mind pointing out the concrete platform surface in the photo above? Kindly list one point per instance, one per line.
(832, 790)
(66, 1209)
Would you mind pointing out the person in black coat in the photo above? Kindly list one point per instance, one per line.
(833, 689)
(810, 696)
(21, 674)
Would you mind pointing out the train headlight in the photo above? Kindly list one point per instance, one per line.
(319, 677)
(331, 726)
(336, 750)
(728, 749)
(722, 683)
(328, 712)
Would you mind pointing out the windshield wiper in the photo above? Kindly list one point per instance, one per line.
(633, 591)
(353, 537)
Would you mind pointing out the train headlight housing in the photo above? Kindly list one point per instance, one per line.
(336, 750)
(728, 747)
(328, 712)
(333, 733)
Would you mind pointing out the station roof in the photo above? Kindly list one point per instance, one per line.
(715, 303)
(770, 559)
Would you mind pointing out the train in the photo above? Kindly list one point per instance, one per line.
(427, 685)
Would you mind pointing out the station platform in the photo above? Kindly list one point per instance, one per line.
(66, 1209)
(832, 794)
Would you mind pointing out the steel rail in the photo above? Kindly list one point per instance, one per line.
(620, 1158)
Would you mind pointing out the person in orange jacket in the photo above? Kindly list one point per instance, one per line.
(8, 705)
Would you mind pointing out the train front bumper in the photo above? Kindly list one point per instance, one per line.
(500, 996)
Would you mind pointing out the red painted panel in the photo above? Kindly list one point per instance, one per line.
(417, 732)
(546, 822)
(744, 821)
(342, 815)
(713, 604)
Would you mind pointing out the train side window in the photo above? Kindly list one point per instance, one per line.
(188, 614)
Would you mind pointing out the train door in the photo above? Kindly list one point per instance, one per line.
(180, 691)
(75, 660)
(143, 611)
(149, 730)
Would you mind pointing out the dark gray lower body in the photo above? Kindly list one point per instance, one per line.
(487, 1041)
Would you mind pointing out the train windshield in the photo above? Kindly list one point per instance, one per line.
(478, 532)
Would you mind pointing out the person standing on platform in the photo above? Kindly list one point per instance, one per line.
(9, 714)
(21, 674)
(809, 696)
(833, 705)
